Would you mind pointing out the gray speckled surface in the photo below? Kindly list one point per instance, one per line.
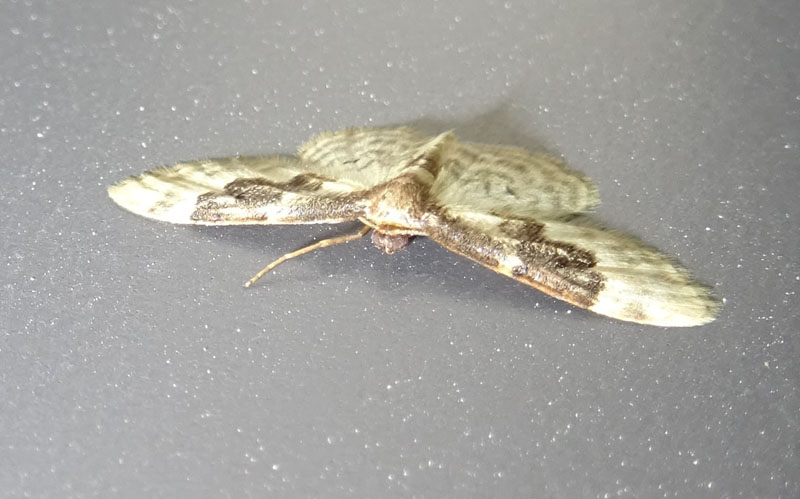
(133, 363)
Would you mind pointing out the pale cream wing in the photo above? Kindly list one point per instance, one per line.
(240, 190)
(365, 156)
(510, 181)
(604, 271)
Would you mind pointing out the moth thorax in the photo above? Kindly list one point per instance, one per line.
(399, 202)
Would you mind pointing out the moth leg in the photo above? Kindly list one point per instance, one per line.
(302, 251)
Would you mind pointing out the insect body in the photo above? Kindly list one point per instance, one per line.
(503, 207)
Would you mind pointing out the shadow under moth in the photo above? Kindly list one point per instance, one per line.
(512, 211)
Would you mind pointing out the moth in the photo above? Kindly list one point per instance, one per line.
(515, 212)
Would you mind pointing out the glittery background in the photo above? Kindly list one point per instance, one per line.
(134, 364)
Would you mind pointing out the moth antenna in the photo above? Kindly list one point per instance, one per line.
(302, 251)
